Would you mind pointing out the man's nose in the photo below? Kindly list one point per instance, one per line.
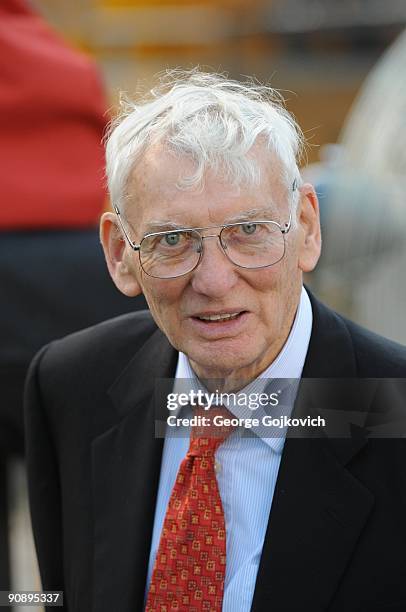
(216, 275)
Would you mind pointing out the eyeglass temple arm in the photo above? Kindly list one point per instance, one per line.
(288, 225)
(133, 245)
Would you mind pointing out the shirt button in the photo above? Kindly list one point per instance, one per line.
(217, 467)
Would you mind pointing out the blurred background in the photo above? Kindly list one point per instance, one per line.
(340, 65)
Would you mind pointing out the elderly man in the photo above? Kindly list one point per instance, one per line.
(213, 224)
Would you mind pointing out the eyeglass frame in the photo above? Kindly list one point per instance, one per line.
(284, 229)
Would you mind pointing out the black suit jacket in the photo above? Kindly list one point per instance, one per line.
(336, 537)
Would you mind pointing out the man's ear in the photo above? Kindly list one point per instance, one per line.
(116, 254)
(309, 224)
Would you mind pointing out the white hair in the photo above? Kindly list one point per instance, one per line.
(213, 120)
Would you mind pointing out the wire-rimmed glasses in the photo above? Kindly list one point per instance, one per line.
(247, 244)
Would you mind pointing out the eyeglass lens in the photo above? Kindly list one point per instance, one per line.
(248, 245)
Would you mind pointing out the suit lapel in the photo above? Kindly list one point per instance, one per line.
(126, 463)
(317, 515)
(319, 508)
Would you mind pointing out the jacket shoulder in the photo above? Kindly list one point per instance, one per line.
(103, 348)
(376, 353)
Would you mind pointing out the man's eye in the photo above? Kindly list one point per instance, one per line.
(249, 228)
(172, 239)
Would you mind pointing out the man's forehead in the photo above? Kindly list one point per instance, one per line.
(154, 192)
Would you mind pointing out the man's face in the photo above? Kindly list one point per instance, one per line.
(265, 299)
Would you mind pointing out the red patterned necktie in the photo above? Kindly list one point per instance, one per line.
(189, 570)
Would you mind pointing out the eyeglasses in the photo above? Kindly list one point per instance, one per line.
(247, 244)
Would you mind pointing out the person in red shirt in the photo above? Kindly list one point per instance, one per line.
(52, 274)
(52, 119)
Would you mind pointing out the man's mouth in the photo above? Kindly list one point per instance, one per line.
(219, 317)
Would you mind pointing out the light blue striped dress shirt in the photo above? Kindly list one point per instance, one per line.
(247, 469)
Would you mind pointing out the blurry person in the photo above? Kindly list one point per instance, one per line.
(52, 274)
(363, 205)
(215, 227)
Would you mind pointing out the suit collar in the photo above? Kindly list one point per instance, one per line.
(137, 383)
(331, 352)
(330, 385)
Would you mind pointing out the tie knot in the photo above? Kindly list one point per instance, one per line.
(212, 429)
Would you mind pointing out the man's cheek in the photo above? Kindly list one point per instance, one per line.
(164, 313)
